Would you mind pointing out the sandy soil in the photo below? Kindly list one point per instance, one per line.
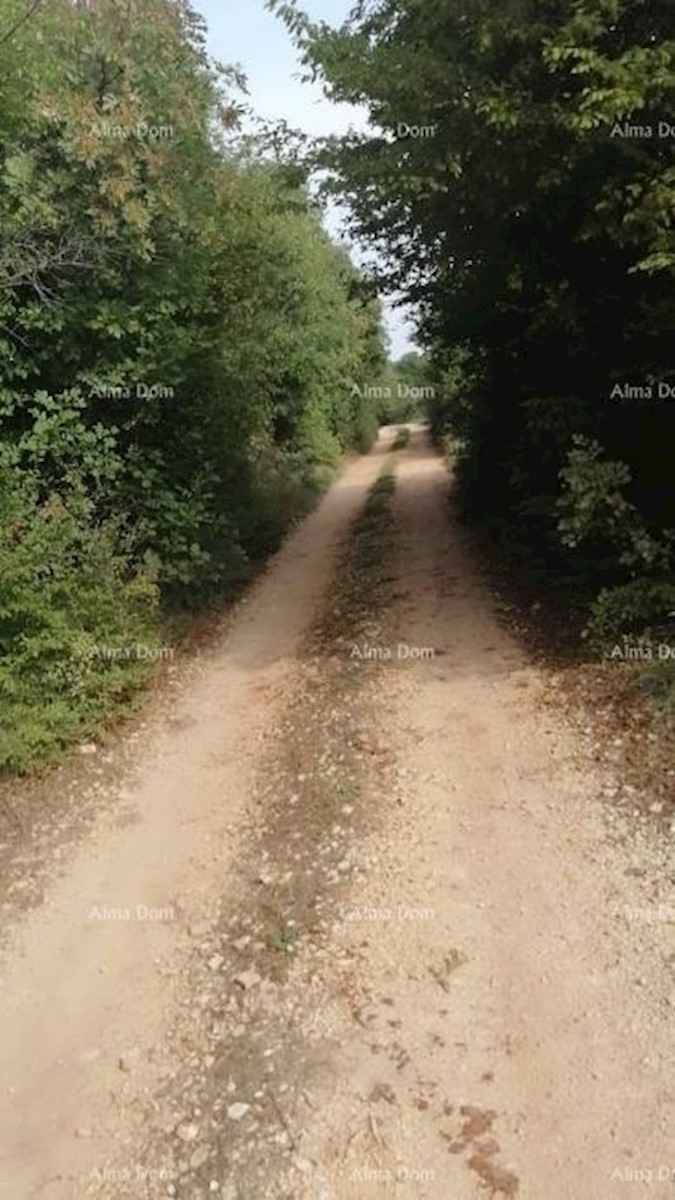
(371, 925)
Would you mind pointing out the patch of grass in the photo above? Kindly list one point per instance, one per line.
(349, 680)
(402, 438)
(369, 531)
(363, 575)
(348, 790)
(284, 939)
(379, 495)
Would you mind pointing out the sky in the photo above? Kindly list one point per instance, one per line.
(243, 32)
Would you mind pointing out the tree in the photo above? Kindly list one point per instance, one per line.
(176, 329)
(518, 177)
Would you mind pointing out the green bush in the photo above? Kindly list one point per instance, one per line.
(176, 335)
(656, 682)
(78, 626)
(637, 610)
(593, 508)
(401, 440)
(366, 426)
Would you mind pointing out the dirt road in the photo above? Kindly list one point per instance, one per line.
(362, 921)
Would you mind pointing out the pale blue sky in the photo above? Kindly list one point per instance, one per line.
(243, 32)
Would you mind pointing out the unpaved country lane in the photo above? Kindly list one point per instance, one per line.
(86, 990)
(400, 966)
(483, 1022)
(565, 1012)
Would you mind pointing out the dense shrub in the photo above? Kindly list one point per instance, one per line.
(78, 624)
(176, 336)
(641, 610)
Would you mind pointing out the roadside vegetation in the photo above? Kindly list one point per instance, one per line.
(402, 438)
(518, 180)
(178, 336)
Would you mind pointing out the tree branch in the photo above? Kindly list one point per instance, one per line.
(32, 8)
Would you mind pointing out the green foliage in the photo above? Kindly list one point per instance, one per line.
(405, 389)
(379, 496)
(593, 508)
(640, 610)
(656, 682)
(532, 226)
(284, 939)
(177, 333)
(78, 627)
